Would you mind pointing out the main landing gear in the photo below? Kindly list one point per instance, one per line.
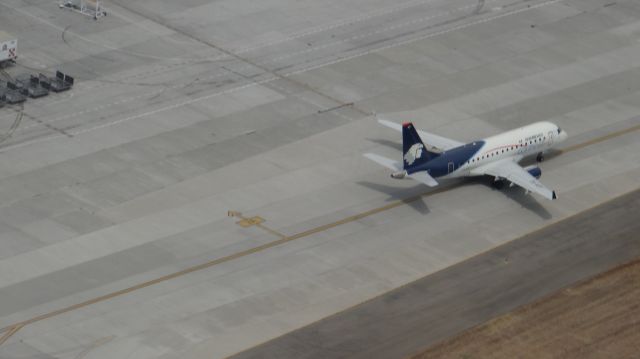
(498, 184)
(540, 157)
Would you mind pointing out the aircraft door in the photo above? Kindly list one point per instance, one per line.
(551, 135)
(451, 167)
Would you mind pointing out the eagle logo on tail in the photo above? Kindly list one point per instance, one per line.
(413, 153)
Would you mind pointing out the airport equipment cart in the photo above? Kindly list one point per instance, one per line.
(61, 82)
(29, 85)
(8, 47)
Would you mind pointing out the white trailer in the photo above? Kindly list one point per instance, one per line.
(8, 47)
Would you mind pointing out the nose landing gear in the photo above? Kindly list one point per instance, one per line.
(540, 157)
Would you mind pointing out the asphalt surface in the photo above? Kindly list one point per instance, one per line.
(431, 309)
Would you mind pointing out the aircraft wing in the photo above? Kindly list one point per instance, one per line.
(513, 172)
(438, 143)
(424, 177)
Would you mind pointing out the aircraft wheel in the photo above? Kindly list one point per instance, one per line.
(540, 157)
(498, 184)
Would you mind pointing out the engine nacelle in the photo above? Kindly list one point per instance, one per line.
(535, 171)
(399, 175)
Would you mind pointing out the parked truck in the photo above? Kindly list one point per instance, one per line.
(8, 47)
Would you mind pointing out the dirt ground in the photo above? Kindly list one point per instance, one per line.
(599, 318)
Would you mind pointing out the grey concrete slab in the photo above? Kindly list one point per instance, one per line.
(404, 321)
(16, 241)
(59, 284)
(184, 111)
(82, 221)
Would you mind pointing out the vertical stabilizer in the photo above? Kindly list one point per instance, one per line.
(414, 152)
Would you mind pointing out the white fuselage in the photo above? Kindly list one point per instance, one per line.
(515, 144)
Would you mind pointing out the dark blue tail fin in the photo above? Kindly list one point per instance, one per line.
(414, 152)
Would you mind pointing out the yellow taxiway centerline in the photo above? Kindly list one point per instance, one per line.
(13, 328)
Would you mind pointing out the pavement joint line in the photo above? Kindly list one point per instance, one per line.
(464, 260)
(375, 32)
(94, 345)
(246, 67)
(13, 328)
(275, 77)
(423, 37)
(342, 23)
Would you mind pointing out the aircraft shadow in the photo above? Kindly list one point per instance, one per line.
(548, 154)
(517, 195)
(410, 196)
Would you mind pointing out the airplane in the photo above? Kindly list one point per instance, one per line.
(496, 156)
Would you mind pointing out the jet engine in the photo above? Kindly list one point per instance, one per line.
(399, 175)
(534, 170)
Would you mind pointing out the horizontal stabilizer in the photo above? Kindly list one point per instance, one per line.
(386, 162)
(424, 177)
(432, 141)
(392, 125)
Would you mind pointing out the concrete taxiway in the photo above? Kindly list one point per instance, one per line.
(201, 190)
(409, 319)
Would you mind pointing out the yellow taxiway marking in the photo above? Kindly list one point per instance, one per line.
(253, 221)
(506, 262)
(12, 329)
